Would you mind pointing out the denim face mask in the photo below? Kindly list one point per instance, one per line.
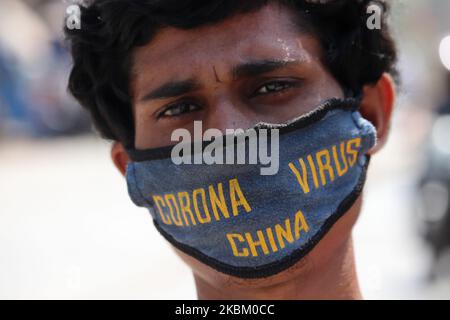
(249, 225)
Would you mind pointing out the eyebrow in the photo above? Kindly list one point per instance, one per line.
(248, 69)
(254, 68)
(172, 89)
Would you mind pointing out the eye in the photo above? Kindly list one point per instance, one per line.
(178, 109)
(274, 87)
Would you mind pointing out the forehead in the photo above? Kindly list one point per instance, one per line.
(270, 32)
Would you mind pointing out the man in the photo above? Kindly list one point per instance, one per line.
(146, 68)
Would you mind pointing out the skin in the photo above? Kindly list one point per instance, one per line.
(224, 100)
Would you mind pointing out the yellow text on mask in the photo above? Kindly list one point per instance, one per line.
(269, 240)
(325, 165)
(202, 205)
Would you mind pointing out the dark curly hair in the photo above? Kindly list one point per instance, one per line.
(111, 29)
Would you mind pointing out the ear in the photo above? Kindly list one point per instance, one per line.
(119, 157)
(377, 105)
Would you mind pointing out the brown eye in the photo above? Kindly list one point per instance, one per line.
(273, 87)
(178, 109)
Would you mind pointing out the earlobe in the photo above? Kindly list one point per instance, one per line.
(377, 106)
(120, 157)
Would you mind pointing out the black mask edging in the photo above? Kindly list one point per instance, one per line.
(352, 104)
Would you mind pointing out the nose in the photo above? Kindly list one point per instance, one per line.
(228, 114)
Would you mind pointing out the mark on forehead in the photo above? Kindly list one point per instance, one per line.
(215, 74)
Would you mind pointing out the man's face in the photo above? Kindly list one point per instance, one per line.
(250, 68)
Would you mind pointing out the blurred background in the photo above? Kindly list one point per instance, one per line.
(69, 231)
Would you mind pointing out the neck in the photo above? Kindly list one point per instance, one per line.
(334, 280)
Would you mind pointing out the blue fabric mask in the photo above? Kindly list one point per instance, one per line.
(249, 225)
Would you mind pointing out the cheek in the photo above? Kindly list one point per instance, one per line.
(148, 133)
(143, 138)
(313, 94)
(326, 86)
